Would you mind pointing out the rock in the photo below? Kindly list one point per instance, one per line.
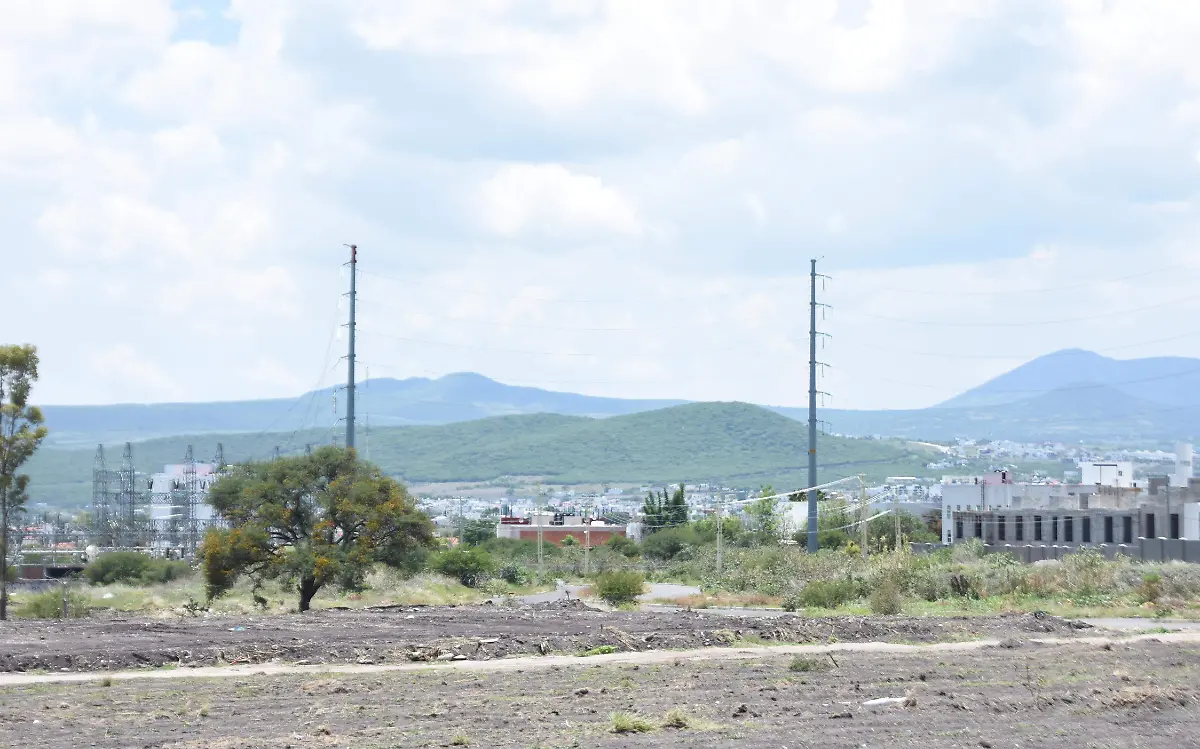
(460, 657)
(842, 716)
(446, 657)
(582, 691)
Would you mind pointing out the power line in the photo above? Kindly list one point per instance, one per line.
(956, 324)
(1043, 290)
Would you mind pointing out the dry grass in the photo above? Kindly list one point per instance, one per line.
(630, 723)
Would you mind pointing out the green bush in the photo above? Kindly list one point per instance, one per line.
(624, 546)
(515, 573)
(619, 587)
(886, 599)
(669, 542)
(828, 594)
(134, 568)
(470, 566)
(49, 605)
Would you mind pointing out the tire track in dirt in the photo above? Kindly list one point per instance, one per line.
(561, 661)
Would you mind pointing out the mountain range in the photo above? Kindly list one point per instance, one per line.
(1070, 395)
(734, 443)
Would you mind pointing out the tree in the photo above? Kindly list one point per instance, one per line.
(654, 513)
(764, 514)
(310, 520)
(21, 432)
(677, 509)
(476, 532)
(665, 511)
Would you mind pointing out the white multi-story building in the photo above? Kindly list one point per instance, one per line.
(1118, 473)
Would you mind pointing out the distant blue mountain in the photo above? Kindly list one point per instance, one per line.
(1168, 381)
(381, 402)
(1069, 395)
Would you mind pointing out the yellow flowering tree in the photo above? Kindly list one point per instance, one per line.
(309, 521)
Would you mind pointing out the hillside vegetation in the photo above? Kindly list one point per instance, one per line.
(735, 443)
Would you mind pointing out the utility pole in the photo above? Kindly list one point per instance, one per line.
(896, 512)
(461, 521)
(864, 514)
(538, 517)
(812, 412)
(350, 355)
(720, 532)
(587, 541)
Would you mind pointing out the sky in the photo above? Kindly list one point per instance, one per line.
(617, 197)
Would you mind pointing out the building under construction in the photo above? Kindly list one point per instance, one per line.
(164, 513)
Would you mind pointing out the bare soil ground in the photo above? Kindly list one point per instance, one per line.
(407, 634)
(1016, 694)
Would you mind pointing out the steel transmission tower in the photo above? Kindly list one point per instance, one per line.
(350, 353)
(103, 522)
(813, 334)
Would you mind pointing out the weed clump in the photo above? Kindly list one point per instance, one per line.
(803, 665)
(49, 605)
(630, 723)
(827, 594)
(134, 568)
(887, 598)
(619, 587)
(677, 719)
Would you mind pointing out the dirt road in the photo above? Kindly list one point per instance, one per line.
(420, 634)
(1069, 694)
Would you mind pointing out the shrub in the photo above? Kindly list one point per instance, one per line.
(1151, 588)
(886, 599)
(669, 542)
(134, 568)
(516, 574)
(570, 541)
(624, 546)
(960, 585)
(620, 586)
(828, 594)
(470, 566)
(494, 587)
(49, 605)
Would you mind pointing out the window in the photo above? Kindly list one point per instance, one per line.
(1174, 525)
(1127, 522)
(1069, 529)
(978, 527)
(1150, 529)
(1000, 529)
(1037, 527)
(1054, 529)
(1108, 529)
(1020, 527)
(1087, 531)
(958, 528)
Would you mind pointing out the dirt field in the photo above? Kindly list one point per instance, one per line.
(407, 634)
(1016, 694)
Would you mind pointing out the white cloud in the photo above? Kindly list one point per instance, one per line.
(553, 200)
(131, 376)
(683, 159)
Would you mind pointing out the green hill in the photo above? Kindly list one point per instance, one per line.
(736, 443)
